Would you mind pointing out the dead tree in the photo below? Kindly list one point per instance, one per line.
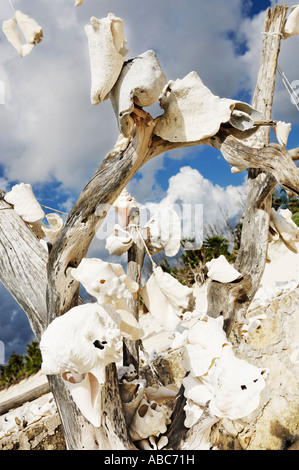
(42, 285)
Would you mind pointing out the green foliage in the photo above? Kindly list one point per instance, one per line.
(190, 265)
(19, 367)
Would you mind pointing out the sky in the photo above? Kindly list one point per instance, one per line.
(52, 137)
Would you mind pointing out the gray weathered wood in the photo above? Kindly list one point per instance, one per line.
(136, 255)
(25, 397)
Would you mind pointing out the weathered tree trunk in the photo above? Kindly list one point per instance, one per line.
(136, 255)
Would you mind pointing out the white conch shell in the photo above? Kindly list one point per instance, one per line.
(107, 52)
(166, 298)
(117, 244)
(150, 419)
(14, 38)
(193, 113)
(105, 281)
(286, 227)
(25, 204)
(282, 130)
(205, 341)
(85, 339)
(86, 393)
(165, 231)
(79, 345)
(292, 24)
(219, 269)
(123, 206)
(32, 32)
(55, 226)
(141, 82)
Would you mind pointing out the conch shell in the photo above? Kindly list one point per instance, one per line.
(117, 244)
(25, 203)
(166, 298)
(141, 82)
(281, 221)
(107, 52)
(123, 206)
(282, 130)
(292, 24)
(219, 269)
(165, 231)
(193, 113)
(32, 32)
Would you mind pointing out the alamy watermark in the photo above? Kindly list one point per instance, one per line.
(190, 216)
(2, 353)
(295, 93)
(2, 92)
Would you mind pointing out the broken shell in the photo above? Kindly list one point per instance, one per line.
(282, 130)
(166, 298)
(14, 38)
(286, 227)
(123, 205)
(141, 82)
(32, 32)
(192, 112)
(205, 341)
(150, 419)
(219, 269)
(251, 325)
(162, 394)
(107, 52)
(292, 24)
(131, 394)
(127, 373)
(25, 204)
(117, 244)
(55, 226)
(165, 231)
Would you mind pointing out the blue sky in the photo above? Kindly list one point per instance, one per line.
(53, 138)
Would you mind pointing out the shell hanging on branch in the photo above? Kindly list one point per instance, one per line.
(109, 284)
(123, 206)
(292, 24)
(140, 83)
(193, 113)
(25, 203)
(282, 130)
(55, 226)
(220, 270)
(166, 298)
(32, 32)
(118, 244)
(281, 221)
(165, 231)
(107, 53)
(79, 345)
